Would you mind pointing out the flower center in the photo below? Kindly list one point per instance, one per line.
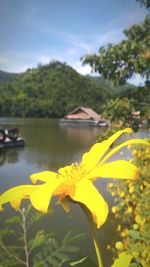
(73, 173)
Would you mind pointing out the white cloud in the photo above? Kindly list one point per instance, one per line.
(73, 46)
(44, 59)
(84, 70)
(19, 67)
(13, 61)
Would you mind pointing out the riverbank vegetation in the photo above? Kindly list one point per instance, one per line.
(131, 209)
(55, 89)
(51, 91)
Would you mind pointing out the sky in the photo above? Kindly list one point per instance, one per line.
(38, 31)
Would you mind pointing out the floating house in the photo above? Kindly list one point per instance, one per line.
(84, 115)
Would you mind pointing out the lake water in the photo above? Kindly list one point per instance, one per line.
(50, 146)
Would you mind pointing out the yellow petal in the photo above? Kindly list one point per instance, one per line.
(41, 198)
(16, 194)
(45, 176)
(129, 142)
(16, 203)
(120, 169)
(87, 194)
(64, 202)
(123, 260)
(92, 158)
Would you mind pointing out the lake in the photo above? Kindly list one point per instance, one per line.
(50, 146)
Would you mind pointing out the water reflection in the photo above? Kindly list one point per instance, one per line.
(52, 146)
(9, 156)
(80, 134)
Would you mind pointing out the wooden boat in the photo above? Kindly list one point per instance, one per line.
(11, 138)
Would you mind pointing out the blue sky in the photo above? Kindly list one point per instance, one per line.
(38, 31)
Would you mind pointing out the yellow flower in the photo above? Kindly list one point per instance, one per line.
(129, 210)
(124, 233)
(134, 152)
(119, 228)
(131, 189)
(135, 226)
(114, 209)
(108, 247)
(75, 182)
(110, 185)
(122, 194)
(119, 245)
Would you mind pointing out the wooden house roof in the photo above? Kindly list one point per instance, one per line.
(83, 113)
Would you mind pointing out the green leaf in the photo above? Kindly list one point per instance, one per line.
(134, 265)
(70, 249)
(84, 262)
(123, 260)
(61, 256)
(74, 263)
(71, 237)
(14, 219)
(38, 240)
(134, 234)
(6, 231)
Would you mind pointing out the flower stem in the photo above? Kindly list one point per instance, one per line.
(25, 237)
(94, 235)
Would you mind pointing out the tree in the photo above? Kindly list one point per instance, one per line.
(131, 56)
(146, 3)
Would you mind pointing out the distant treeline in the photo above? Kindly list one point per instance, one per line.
(6, 77)
(55, 89)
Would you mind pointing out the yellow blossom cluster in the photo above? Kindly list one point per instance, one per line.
(132, 208)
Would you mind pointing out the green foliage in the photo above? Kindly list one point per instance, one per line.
(121, 61)
(119, 110)
(133, 214)
(21, 246)
(83, 262)
(109, 131)
(6, 77)
(55, 89)
(50, 90)
(131, 209)
(146, 3)
(141, 97)
(78, 262)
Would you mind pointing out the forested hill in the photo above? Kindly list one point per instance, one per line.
(51, 91)
(6, 77)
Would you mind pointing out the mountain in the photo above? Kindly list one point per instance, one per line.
(51, 91)
(6, 77)
(55, 89)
